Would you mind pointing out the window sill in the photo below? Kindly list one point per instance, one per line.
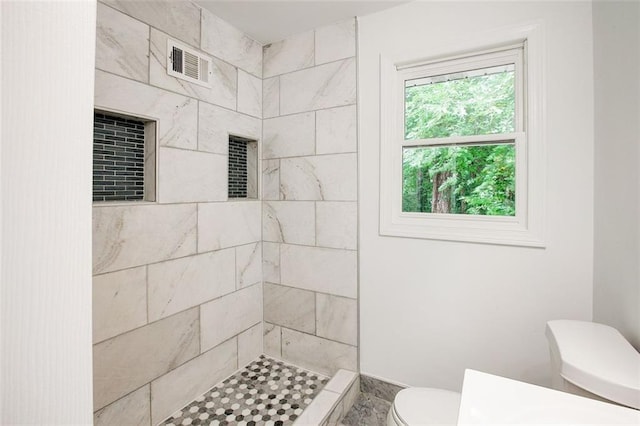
(472, 229)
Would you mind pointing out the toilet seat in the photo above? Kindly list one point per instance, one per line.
(425, 406)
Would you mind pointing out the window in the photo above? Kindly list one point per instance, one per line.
(461, 152)
(123, 158)
(447, 167)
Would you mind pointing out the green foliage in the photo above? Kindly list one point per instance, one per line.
(476, 179)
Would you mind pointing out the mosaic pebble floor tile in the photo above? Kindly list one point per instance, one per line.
(267, 392)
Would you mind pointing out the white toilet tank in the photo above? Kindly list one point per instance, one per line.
(594, 360)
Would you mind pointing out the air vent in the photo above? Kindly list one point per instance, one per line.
(188, 64)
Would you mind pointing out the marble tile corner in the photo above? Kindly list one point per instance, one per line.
(178, 387)
(250, 345)
(336, 130)
(290, 307)
(271, 97)
(179, 284)
(122, 44)
(222, 225)
(249, 94)
(142, 355)
(238, 49)
(216, 124)
(318, 354)
(306, 268)
(119, 302)
(324, 86)
(191, 176)
(132, 409)
(290, 222)
(289, 136)
(270, 262)
(335, 41)
(229, 315)
(248, 265)
(128, 236)
(181, 19)
(288, 55)
(272, 340)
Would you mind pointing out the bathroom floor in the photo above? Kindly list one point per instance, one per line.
(368, 410)
(266, 392)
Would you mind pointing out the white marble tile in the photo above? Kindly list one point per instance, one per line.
(216, 124)
(253, 170)
(222, 225)
(352, 394)
(119, 302)
(337, 318)
(336, 130)
(271, 262)
(181, 19)
(324, 86)
(288, 221)
(341, 381)
(223, 76)
(249, 345)
(288, 55)
(272, 341)
(122, 44)
(230, 315)
(337, 224)
(177, 388)
(270, 179)
(126, 362)
(319, 269)
(248, 265)
(191, 176)
(271, 97)
(177, 115)
(132, 410)
(323, 177)
(317, 354)
(180, 284)
(127, 236)
(289, 136)
(249, 94)
(336, 41)
(319, 408)
(225, 41)
(336, 415)
(290, 307)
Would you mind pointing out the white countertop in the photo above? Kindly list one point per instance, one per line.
(491, 400)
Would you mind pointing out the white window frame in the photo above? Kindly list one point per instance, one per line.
(526, 227)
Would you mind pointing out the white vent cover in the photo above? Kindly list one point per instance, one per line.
(188, 64)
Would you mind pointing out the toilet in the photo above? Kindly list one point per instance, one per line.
(424, 406)
(587, 359)
(595, 361)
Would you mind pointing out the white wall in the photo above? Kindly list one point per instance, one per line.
(617, 134)
(46, 211)
(429, 309)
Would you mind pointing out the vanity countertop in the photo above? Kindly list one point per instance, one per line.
(495, 400)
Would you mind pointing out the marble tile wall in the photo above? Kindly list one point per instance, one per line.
(177, 283)
(309, 191)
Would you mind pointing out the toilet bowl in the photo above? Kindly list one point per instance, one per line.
(424, 406)
(594, 360)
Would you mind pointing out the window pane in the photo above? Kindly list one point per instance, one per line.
(476, 102)
(478, 179)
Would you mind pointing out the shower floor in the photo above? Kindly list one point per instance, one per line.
(266, 392)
